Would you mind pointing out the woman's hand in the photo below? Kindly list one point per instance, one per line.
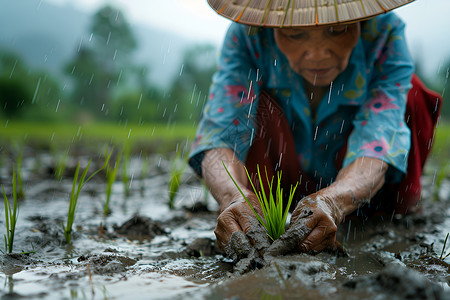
(238, 232)
(313, 227)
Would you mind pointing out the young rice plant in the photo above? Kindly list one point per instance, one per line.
(76, 189)
(111, 174)
(443, 249)
(126, 158)
(274, 218)
(176, 173)
(11, 215)
(19, 149)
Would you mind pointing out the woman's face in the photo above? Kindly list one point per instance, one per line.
(318, 54)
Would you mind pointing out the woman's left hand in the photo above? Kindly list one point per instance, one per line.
(313, 227)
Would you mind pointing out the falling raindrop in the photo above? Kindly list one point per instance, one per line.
(57, 106)
(109, 37)
(103, 106)
(329, 93)
(36, 91)
(14, 67)
(193, 93)
(349, 226)
(140, 100)
(181, 70)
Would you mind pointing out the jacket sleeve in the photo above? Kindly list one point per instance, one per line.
(228, 116)
(380, 130)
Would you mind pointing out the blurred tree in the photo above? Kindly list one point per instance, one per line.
(101, 65)
(26, 93)
(190, 89)
(14, 96)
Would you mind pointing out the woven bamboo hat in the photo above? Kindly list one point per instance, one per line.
(301, 13)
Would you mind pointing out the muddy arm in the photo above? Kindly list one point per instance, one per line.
(355, 185)
(218, 181)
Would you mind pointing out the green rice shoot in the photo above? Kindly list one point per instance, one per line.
(60, 164)
(176, 174)
(126, 155)
(11, 215)
(20, 150)
(144, 170)
(443, 249)
(111, 174)
(76, 189)
(274, 217)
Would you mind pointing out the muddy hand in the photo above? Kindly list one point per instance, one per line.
(292, 238)
(238, 232)
(313, 228)
(250, 245)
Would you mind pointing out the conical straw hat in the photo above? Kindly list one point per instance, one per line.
(299, 13)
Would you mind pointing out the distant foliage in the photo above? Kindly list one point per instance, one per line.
(103, 64)
(190, 89)
(26, 93)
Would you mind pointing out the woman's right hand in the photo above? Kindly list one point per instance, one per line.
(238, 232)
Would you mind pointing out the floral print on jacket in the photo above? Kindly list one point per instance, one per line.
(364, 106)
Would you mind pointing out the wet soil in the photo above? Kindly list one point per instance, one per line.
(144, 250)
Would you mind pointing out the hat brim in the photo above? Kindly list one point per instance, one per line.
(302, 13)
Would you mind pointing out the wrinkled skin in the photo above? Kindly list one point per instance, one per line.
(313, 228)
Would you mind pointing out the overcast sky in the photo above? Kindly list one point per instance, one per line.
(428, 22)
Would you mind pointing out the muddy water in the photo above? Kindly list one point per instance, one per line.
(143, 250)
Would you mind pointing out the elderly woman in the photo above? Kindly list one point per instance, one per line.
(319, 90)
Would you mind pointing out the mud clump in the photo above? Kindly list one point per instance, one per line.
(140, 228)
(107, 263)
(398, 283)
(202, 247)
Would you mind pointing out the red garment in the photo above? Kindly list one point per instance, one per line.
(274, 149)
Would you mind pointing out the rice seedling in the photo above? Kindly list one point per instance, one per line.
(111, 174)
(443, 249)
(76, 189)
(11, 215)
(144, 170)
(19, 150)
(273, 218)
(126, 155)
(60, 163)
(176, 173)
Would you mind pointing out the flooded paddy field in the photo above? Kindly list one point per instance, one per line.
(144, 250)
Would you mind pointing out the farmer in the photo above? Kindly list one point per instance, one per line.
(319, 90)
